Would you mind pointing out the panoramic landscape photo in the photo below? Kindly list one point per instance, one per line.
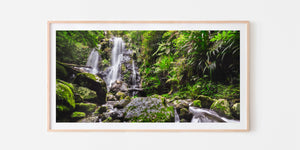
(148, 76)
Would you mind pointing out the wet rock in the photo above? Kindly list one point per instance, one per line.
(185, 114)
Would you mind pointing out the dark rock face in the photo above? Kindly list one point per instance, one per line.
(93, 82)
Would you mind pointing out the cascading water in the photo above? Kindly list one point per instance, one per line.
(133, 75)
(177, 119)
(134, 82)
(93, 62)
(116, 58)
(201, 115)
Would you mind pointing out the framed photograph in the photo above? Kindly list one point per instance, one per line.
(148, 76)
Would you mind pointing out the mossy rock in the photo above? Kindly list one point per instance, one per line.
(110, 97)
(222, 107)
(146, 109)
(61, 72)
(85, 94)
(120, 95)
(93, 82)
(206, 101)
(64, 96)
(64, 71)
(122, 103)
(77, 115)
(197, 103)
(180, 104)
(101, 110)
(88, 108)
(236, 110)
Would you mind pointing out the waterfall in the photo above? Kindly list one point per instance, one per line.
(93, 62)
(116, 58)
(177, 120)
(133, 75)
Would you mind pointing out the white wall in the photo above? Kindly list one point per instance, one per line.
(274, 73)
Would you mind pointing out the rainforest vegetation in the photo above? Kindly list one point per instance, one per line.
(174, 69)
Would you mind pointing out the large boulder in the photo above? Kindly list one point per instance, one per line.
(93, 82)
(236, 110)
(85, 94)
(206, 101)
(222, 107)
(146, 109)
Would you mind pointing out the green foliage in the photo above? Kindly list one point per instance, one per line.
(197, 103)
(75, 46)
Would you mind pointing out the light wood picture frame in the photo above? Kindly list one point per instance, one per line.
(214, 28)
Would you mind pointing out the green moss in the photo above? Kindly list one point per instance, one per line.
(78, 115)
(222, 107)
(86, 107)
(123, 68)
(94, 83)
(120, 95)
(70, 85)
(197, 103)
(85, 93)
(64, 95)
(126, 76)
